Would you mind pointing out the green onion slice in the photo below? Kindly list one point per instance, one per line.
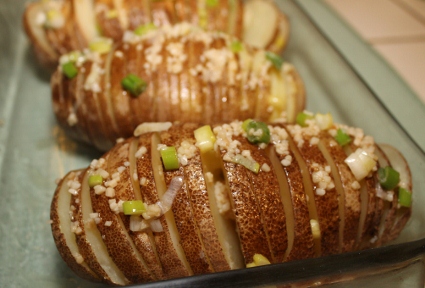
(342, 138)
(404, 197)
(101, 45)
(302, 118)
(169, 158)
(257, 131)
(236, 46)
(144, 29)
(388, 178)
(69, 70)
(95, 180)
(134, 207)
(276, 60)
(134, 85)
(247, 163)
(212, 3)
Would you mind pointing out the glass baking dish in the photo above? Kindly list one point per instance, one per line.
(343, 76)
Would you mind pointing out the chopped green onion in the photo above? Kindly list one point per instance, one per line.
(342, 138)
(144, 29)
(205, 138)
(73, 56)
(302, 118)
(236, 46)
(169, 158)
(101, 45)
(95, 180)
(212, 3)
(404, 197)
(245, 124)
(134, 207)
(70, 70)
(247, 163)
(257, 131)
(276, 60)
(134, 85)
(388, 178)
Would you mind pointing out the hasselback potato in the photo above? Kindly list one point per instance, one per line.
(187, 199)
(173, 73)
(56, 27)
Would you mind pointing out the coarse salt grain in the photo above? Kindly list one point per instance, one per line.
(142, 150)
(143, 181)
(265, 167)
(99, 189)
(110, 192)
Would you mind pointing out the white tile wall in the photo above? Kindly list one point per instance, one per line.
(396, 29)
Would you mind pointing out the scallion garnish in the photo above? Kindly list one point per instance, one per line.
(236, 46)
(95, 180)
(101, 45)
(404, 197)
(169, 158)
(212, 3)
(388, 178)
(257, 131)
(275, 59)
(247, 163)
(302, 118)
(134, 207)
(69, 70)
(144, 29)
(134, 85)
(342, 138)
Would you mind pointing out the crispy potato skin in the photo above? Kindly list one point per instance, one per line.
(257, 202)
(191, 76)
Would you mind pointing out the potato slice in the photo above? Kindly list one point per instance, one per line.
(150, 173)
(64, 237)
(184, 217)
(91, 243)
(348, 192)
(260, 22)
(266, 189)
(143, 240)
(371, 214)
(117, 238)
(223, 217)
(300, 236)
(398, 215)
(43, 49)
(84, 17)
(243, 202)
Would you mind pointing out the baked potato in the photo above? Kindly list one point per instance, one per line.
(56, 27)
(173, 73)
(184, 199)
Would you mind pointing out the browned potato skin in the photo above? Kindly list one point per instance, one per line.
(61, 243)
(186, 95)
(49, 44)
(251, 217)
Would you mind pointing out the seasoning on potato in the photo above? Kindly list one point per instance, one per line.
(310, 196)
